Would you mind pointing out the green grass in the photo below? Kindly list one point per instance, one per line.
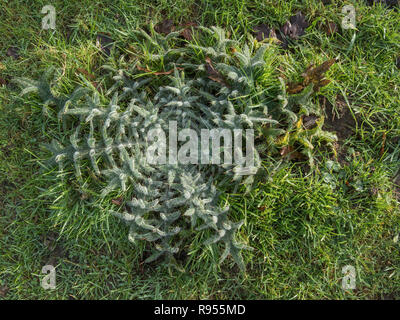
(304, 225)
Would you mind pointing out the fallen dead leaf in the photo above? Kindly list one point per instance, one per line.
(189, 24)
(214, 74)
(96, 84)
(313, 75)
(117, 201)
(291, 154)
(316, 75)
(309, 121)
(382, 151)
(294, 28)
(104, 42)
(262, 31)
(187, 32)
(13, 52)
(294, 88)
(281, 70)
(90, 77)
(330, 28)
(165, 27)
(3, 291)
(86, 73)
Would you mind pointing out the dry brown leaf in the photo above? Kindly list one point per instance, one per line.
(313, 75)
(316, 74)
(295, 27)
(330, 28)
(117, 201)
(87, 74)
(90, 77)
(13, 52)
(291, 153)
(165, 27)
(309, 121)
(105, 42)
(96, 84)
(189, 24)
(187, 34)
(214, 74)
(3, 291)
(294, 88)
(324, 82)
(382, 151)
(286, 150)
(262, 31)
(281, 72)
